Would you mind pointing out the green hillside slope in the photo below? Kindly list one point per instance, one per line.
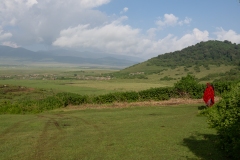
(203, 53)
(209, 60)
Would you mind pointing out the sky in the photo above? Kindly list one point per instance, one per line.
(141, 28)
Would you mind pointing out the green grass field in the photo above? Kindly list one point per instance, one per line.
(133, 133)
(176, 73)
(85, 87)
(44, 80)
(75, 79)
(129, 133)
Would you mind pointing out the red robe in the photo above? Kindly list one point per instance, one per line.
(208, 94)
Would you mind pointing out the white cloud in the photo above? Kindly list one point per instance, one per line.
(30, 3)
(192, 38)
(41, 21)
(185, 21)
(151, 33)
(171, 20)
(92, 3)
(125, 9)
(229, 35)
(19, 10)
(10, 44)
(114, 37)
(117, 38)
(12, 5)
(172, 43)
(4, 35)
(13, 21)
(200, 35)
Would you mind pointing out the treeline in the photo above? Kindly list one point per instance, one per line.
(204, 53)
(187, 87)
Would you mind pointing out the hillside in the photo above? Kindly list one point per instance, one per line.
(206, 60)
(203, 53)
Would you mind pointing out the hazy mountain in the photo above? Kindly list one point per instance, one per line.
(87, 54)
(23, 56)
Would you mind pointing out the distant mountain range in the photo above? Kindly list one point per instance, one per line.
(22, 56)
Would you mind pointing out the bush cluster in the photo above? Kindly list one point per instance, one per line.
(189, 87)
(221, 87)
(225, 118)
(64, 99)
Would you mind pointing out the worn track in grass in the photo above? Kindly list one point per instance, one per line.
(162, 132)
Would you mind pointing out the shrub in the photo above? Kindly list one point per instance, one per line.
(225, 118)
(189, 87)
(72, 98)
(156, 94)
(222, 87)
(107, 98)
(166, 78)
(130, 96)
(116, 97)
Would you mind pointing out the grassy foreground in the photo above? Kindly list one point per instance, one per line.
(133, 133)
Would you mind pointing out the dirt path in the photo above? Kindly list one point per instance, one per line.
(171, 102)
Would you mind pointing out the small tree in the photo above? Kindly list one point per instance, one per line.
(189, 87)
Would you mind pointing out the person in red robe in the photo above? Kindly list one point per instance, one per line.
(208, 95)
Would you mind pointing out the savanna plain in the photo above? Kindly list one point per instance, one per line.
(170, 130)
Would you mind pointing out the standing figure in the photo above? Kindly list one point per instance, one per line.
(208, 95)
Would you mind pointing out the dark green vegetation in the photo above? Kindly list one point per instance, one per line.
(137, 133)
(225, 118)
(204, 57)
(203, 53)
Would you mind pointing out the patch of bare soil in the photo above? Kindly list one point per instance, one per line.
(15, 89)
(170, 102)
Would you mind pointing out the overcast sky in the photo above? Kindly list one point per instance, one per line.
(143, 28)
